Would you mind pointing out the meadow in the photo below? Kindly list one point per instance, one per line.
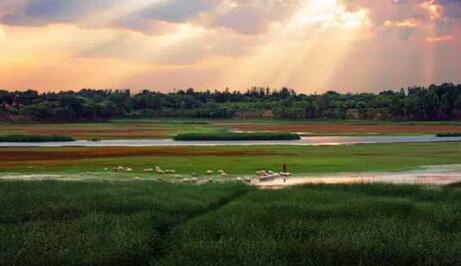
(94, 215)
(235, 160)
(151, 223)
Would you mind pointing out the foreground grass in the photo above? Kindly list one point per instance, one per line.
(337, 225)
(236, 160)
(130, 223)
(100, 223)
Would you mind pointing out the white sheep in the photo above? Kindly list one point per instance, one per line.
(159, 171)
(209, 172)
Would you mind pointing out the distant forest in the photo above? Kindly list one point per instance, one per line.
(437, 102)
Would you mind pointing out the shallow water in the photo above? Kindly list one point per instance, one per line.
(306, 141)
(431, 175)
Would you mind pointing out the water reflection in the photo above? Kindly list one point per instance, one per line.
(434, 175)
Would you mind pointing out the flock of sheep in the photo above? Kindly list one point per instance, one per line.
(262, 175)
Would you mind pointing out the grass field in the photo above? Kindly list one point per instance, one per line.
(142, 223)
(236, 160)
(120, 129)
(163, 128)
(128, 218)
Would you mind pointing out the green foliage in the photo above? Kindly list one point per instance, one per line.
(442, 102)
(35, 138)
(449, 134)
(236, 136)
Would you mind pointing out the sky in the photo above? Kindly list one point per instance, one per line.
(309, 45)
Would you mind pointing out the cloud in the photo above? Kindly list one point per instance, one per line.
(43, 12)
(443, 38)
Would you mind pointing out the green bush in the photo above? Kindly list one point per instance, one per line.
(34, 138)
(236, 136)
(449, 134)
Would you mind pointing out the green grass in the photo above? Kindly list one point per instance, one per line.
(239, 160)
(236, 136)
(326, 225)
(450, 134)
(35, 138)
(142, 223)
(99, 223)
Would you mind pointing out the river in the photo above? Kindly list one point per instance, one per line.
(305, 141)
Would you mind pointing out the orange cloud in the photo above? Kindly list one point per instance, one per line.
(443, 38)
(435, 10)
(409, 23)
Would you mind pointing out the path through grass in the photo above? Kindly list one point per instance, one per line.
(148, 223)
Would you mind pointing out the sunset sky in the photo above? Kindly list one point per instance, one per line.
(309, 45)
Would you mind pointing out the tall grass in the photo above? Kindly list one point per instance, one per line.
(223, 136)
(326, 225)
(142, 223)
(99, 223)
(35, 138)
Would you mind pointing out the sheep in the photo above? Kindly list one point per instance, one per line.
(220, 171)
(209, 172)
(247, 179)
(194, 180)
(159, 171)
(261, 172)
(194, 174)
(178, 176)
(128, 169)
(106, 169)
(239, 179)
(169, 171)
(285, 174)
(148, 170)
(224, 174)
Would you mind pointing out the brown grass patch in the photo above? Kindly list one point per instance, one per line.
(9, 155)
(348, 128)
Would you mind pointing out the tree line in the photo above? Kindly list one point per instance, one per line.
(436, 102)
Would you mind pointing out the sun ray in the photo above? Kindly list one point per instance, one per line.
(286, 55)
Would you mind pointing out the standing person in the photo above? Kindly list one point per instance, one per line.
(285, 169)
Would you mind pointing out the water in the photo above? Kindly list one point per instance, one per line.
(305, 141)
(430, 175)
